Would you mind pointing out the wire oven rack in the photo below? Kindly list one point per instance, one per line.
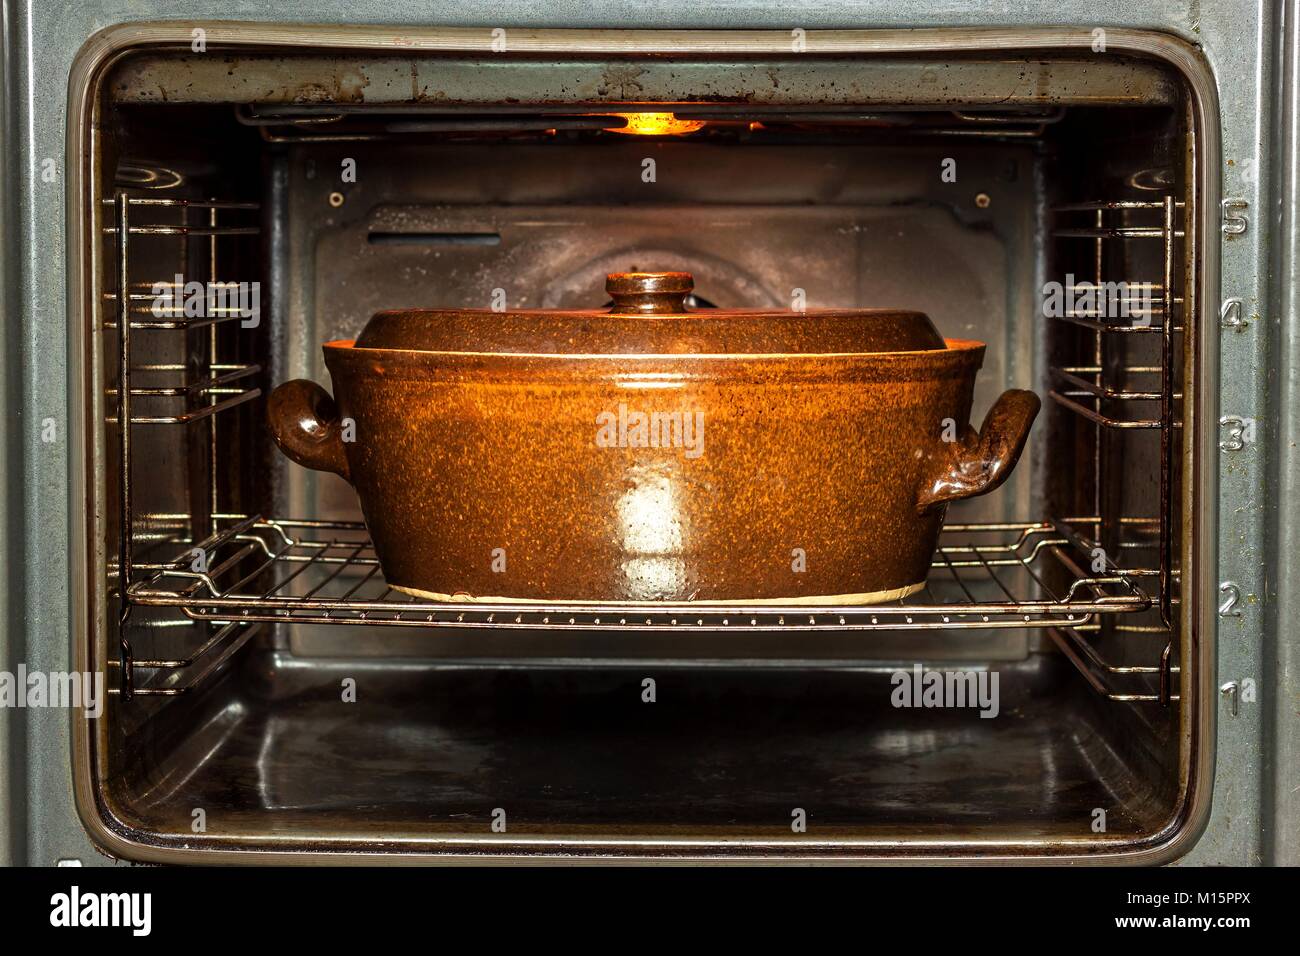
(326, 572)
(256, 570)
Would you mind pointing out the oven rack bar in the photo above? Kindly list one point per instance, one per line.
(234, 398)
(1069, 401)
(1090, 383)
(217, 389)
(1100, 674)
(174, 677)
(172, 316)
(1103, 676)
(1110, 328)
(1074, 376)
(211, 206)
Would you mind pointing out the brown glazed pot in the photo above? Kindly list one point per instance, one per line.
(654, 454)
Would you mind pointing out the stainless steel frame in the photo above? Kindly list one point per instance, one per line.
(1251, 52)
(1198, 548)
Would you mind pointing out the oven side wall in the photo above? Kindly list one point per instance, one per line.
(1281, 738)
(45, 504)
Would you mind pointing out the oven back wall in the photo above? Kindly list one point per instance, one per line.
(852, 226)
(44, 503)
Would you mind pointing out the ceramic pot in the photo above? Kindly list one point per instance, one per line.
(650, 453)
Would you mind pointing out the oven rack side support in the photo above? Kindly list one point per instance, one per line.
(1141, 302)
(135, 308)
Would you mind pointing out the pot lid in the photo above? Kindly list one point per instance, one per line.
(649, 317)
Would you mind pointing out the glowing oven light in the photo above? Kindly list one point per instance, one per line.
(656, 124)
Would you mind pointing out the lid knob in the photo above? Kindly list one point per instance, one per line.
(649, 292)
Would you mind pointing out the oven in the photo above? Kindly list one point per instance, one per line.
(234, 194)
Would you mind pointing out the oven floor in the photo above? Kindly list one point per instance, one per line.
(429, 751)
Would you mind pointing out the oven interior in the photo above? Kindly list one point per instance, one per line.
(271, 692)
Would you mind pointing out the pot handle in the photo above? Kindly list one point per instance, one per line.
(306, 426)
(980, 463)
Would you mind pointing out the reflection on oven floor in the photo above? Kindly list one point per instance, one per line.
(428, 751)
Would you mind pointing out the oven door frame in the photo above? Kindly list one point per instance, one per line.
(1199, 505)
